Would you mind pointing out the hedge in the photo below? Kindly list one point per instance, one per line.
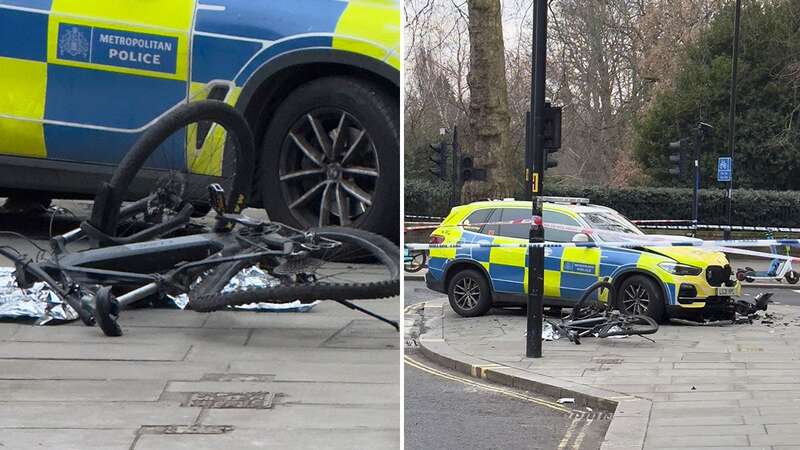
(750, 207)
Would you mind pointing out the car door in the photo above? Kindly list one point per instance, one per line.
(568, 270)
(508, 268)
(474, 229)
(93, 75)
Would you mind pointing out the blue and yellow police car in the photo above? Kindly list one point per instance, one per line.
(82, 79)
(657, 281)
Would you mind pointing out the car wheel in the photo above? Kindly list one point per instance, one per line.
(640, 295)
(331, 157)
(469, 294)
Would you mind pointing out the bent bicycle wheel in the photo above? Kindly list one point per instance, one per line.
(350, 264)
(417, 262)
(629, 326)
(168, 169)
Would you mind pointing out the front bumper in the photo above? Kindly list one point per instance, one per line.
(696, 292)
(696, 299)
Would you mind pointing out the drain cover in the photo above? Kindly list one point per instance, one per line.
(231, 400)
(608, 361)
(185, 429)
(230, 377)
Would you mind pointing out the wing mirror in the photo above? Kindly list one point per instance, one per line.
(580, 237)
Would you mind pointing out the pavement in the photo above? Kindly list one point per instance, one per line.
(693, 387)
(330, 377)
(186, 380)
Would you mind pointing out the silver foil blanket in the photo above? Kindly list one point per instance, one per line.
(38, 302)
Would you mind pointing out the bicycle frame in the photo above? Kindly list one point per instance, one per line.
(142, 269)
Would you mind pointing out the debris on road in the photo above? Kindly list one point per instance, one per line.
(566, 400)
(739, 312)
(548, 332)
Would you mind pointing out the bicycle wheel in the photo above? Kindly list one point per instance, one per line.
(171, 165)
(587, 306)
(356, 265)
(629, 326)
(417, 263)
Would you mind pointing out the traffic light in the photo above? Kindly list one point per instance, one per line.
(439, 159)
(677, 157)
(468, 172)
(552, 133)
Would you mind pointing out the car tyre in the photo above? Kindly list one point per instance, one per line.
(641, 295)
(363, 170)
(469, 293)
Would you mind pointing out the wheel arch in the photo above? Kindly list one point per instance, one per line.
(457, 265)
(274, 80)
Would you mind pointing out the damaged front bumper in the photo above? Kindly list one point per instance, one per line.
(720, 308)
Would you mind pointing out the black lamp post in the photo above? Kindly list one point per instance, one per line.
(732, 114)
(533, 344)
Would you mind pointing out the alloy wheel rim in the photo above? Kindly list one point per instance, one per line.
(466, 293)
(329, 169)
(636, 299)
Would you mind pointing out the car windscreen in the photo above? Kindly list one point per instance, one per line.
(615, 225)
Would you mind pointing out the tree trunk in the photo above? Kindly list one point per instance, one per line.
(488, 110)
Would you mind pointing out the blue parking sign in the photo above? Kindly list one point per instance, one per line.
(724, 169)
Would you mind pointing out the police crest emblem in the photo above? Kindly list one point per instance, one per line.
(73, 43)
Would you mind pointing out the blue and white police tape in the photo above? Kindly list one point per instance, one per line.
(719, 228)
(736, 243)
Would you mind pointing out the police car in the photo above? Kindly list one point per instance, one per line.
(82, 79)
(658, 281)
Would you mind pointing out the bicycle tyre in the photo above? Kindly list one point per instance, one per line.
(105, 210)
(208, 295)
(635, 325)
(411, 267)
(584, 300)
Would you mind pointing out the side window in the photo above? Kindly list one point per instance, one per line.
(519, 231)
(552, 235)
(480, 216)
(491, 230)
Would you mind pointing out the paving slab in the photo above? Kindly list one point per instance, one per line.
(94, 415)
(28, 369)
(704, 387)
(299, 392)
(299, 416)
(70, 439)
(93, 351)
(80, 390)
(252, 439)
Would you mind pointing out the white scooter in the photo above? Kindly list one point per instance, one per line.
(779, 269)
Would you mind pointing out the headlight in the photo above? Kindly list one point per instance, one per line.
(680, 269)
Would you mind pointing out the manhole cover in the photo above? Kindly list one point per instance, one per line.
(185, 429)
(749, 349)
(608, 361)
(240, 377)
(231, 400)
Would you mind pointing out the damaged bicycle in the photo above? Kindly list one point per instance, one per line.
(162, 244)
